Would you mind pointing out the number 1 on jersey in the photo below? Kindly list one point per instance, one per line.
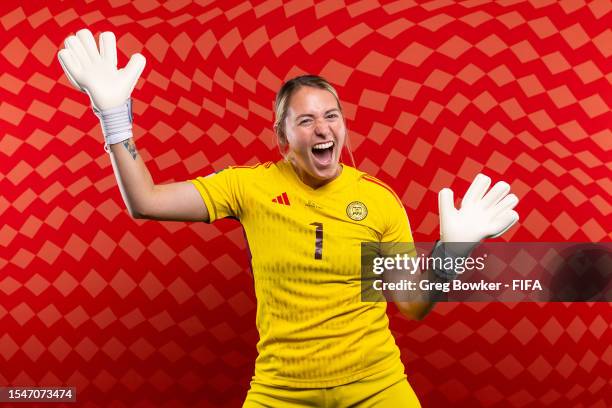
(318, 240)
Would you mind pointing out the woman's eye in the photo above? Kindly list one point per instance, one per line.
(304, 122)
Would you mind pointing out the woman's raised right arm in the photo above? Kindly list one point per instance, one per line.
(144, 199)
(95, 72)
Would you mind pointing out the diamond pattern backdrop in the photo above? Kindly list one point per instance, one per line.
(134, 312)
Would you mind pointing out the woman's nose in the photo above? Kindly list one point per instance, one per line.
(321, 127)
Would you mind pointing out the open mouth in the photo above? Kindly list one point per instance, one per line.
(324, 152)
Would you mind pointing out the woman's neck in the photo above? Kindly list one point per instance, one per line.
(310, 181)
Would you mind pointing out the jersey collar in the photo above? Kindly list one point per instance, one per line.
(339, 182)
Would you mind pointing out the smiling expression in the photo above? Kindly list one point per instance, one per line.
(315, 132)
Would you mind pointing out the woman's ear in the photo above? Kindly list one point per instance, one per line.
(281, 141)
(347, 145)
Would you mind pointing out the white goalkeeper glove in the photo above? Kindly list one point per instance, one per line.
(481, 215)
(95, 72)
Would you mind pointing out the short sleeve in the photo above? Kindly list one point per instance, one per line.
(398, 226)
(221, 193)
(397, 238)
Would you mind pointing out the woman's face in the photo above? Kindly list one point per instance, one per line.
(315, 132)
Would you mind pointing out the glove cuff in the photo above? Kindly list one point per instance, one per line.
(442, 252)
(116, 123)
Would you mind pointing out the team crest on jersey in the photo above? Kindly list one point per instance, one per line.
(356, 211)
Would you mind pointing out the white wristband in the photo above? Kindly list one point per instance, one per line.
(116, 123)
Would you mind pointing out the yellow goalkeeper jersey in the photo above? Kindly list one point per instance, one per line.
(305, 245)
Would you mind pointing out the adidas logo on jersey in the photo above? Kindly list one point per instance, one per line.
(282, 199)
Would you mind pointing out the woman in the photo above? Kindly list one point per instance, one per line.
(305, 218)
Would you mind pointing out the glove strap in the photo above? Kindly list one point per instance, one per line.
(440, 251)
(116, 123)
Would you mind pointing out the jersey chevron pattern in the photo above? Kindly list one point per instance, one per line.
(305, 244)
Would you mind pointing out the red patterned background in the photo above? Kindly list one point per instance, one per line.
(135, 313)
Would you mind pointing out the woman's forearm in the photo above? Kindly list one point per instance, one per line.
(133, 177)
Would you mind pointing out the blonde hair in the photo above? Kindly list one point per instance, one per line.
(281, 105)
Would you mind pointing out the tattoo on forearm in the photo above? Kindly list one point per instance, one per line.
(131, 147)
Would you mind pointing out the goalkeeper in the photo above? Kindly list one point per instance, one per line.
(305, 218)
